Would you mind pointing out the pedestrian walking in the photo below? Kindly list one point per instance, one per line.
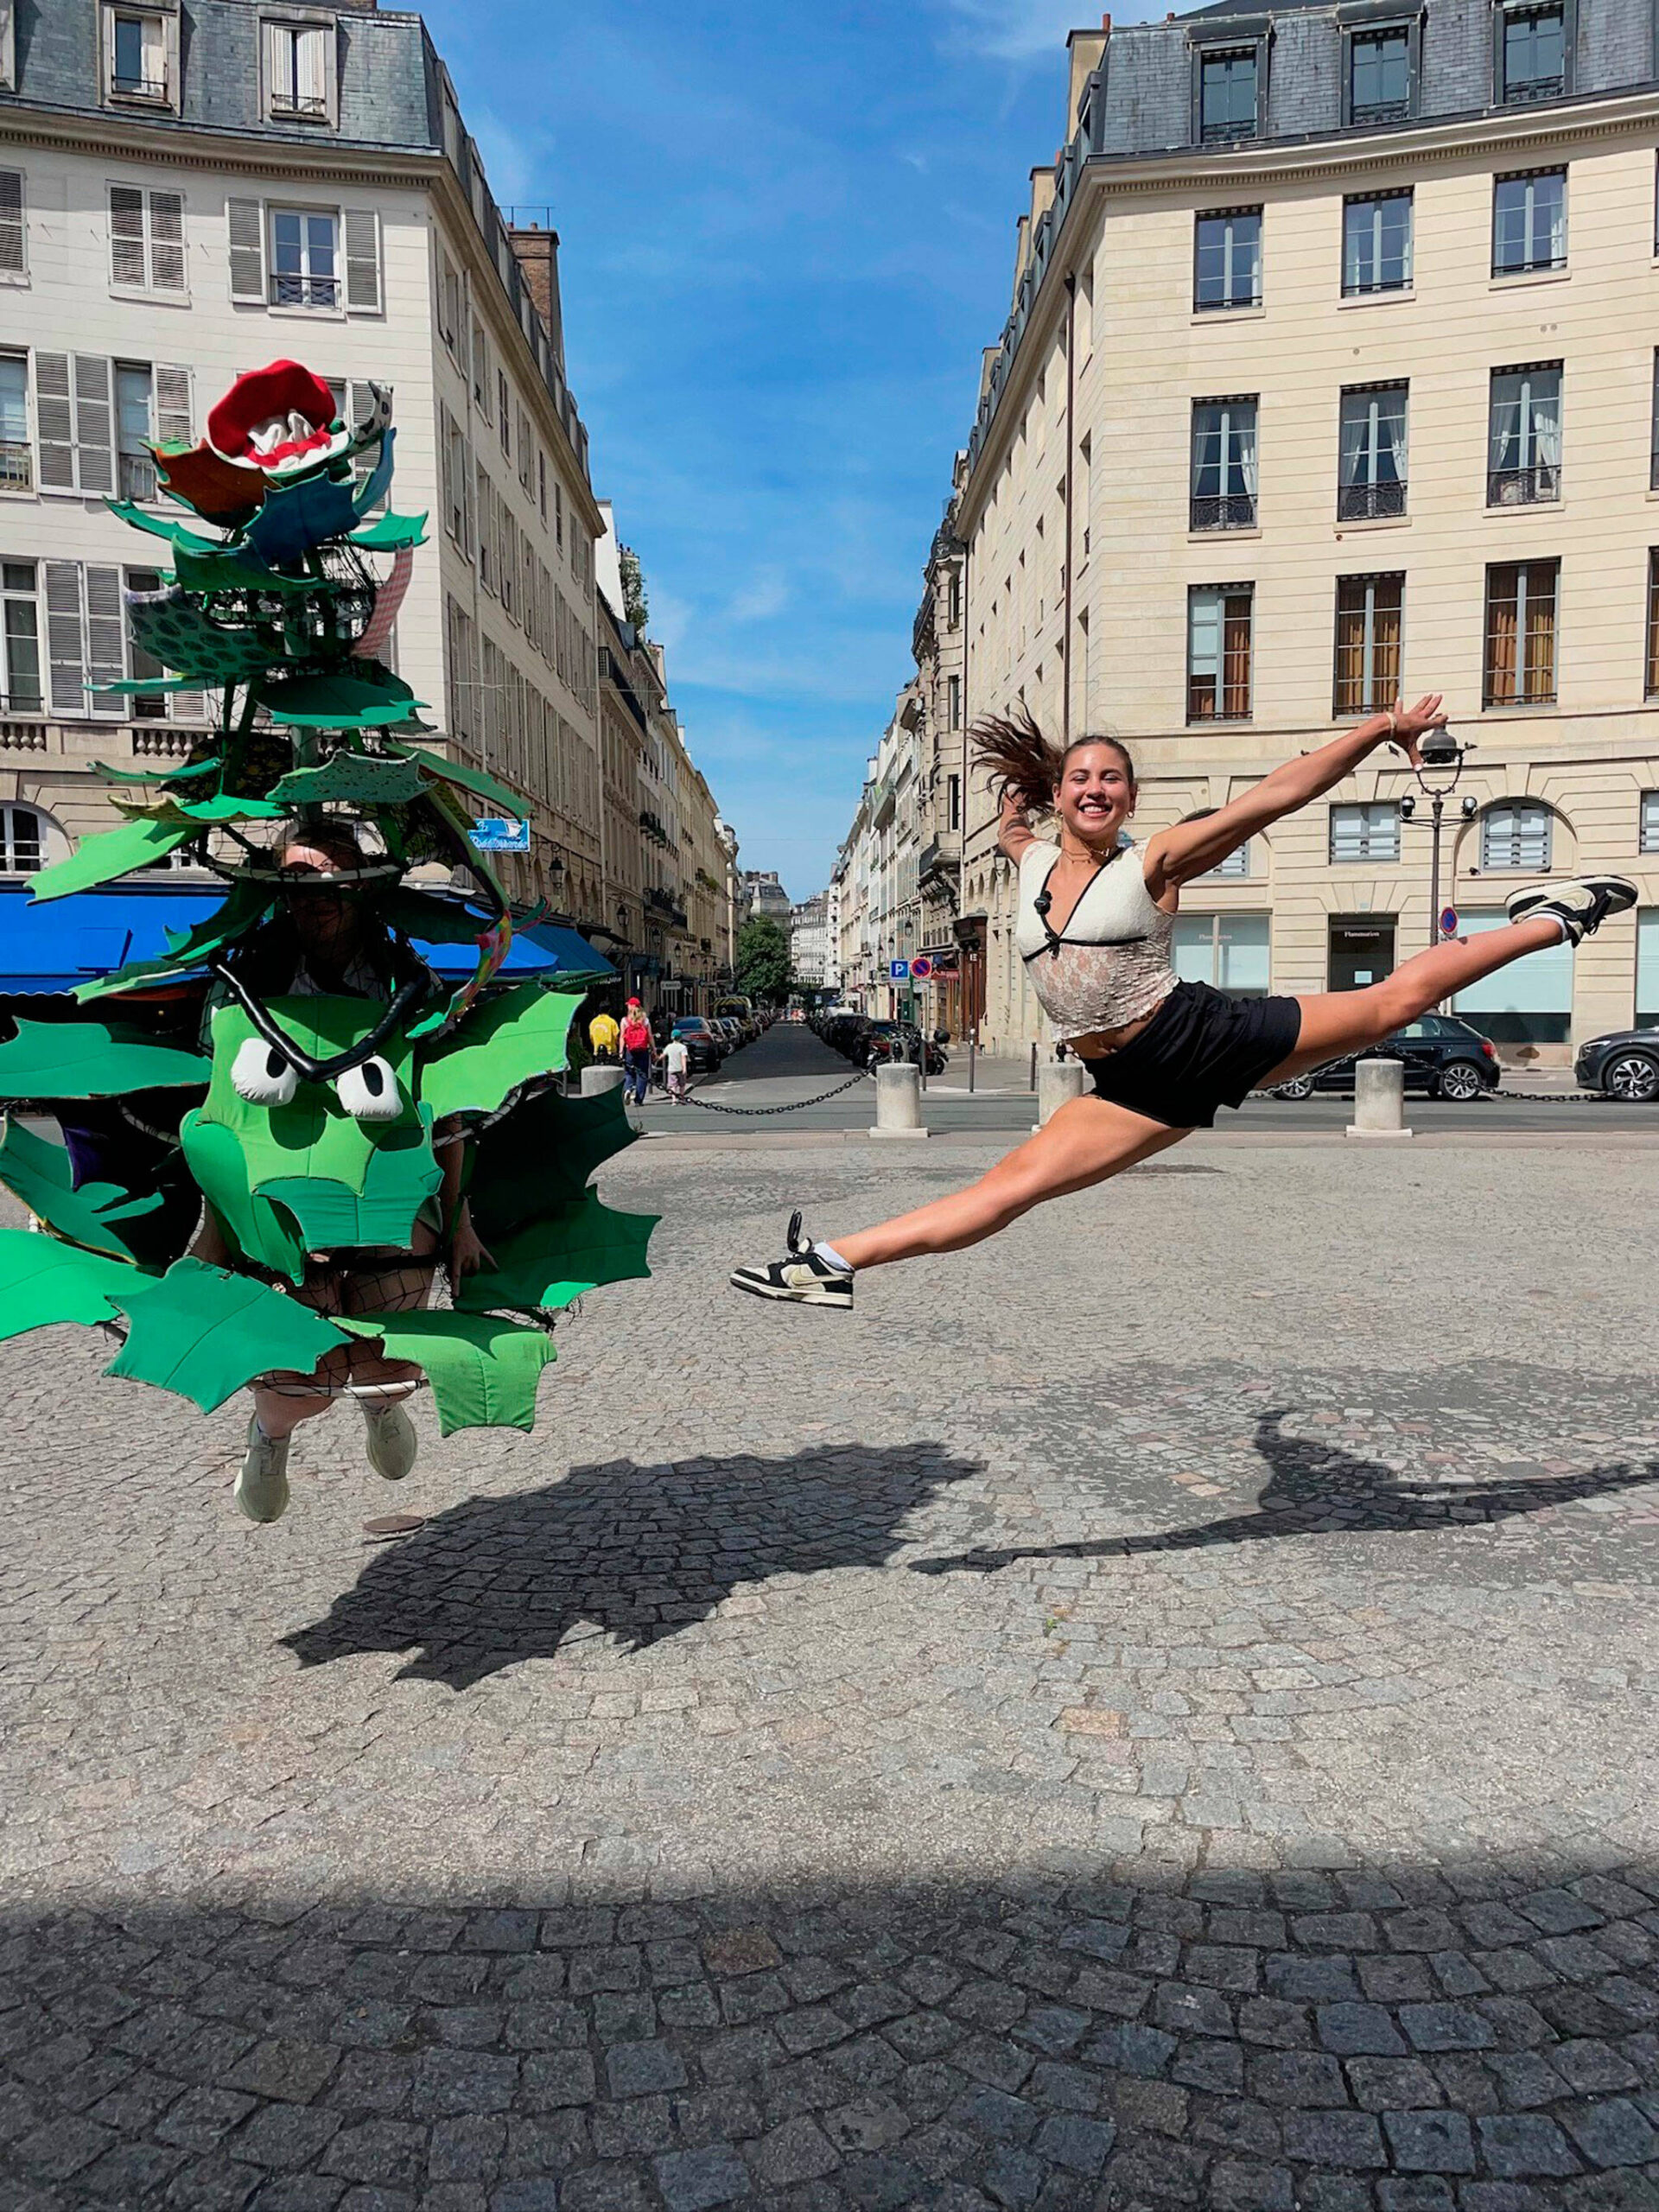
(636, 1053)
(603, 1034)
(676, 1066)
(1096, 921)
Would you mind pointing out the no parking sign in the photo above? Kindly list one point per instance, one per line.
(920, 968)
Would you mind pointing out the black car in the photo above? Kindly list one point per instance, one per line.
(1625, 1063)
(704, 1044)
(1444, 1057)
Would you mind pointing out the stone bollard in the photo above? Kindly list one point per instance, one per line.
(898, 1102)
(598, 1077)
(1379, 1099)
(1056, 1082)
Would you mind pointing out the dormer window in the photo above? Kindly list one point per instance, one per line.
(1379, 74)
(300, 74)
(140, 55)
(1228, 96)
(1534, 50)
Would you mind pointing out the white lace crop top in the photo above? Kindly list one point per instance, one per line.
(1111, 964)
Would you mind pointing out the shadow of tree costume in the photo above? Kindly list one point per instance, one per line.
(305, 1121)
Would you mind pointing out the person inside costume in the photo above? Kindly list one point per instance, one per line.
(1095, 920)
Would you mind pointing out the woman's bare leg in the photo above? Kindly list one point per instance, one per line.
(1338, 1022)
(1086, 1142)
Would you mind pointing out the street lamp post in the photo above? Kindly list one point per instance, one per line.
(1438, 770)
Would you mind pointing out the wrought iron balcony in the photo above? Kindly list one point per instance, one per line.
(1222, 510)
(138, 88)
(1370, 502)
(1529, 89)
(137, 477)
(290, 289)
(1524, 487)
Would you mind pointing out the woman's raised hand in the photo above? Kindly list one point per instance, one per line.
(1406, 724)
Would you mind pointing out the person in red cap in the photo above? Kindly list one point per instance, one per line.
(636, 1053)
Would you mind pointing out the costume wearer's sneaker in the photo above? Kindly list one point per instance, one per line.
(805, 1277)
(262, 1486)
(1581, 906)
(389, 1440)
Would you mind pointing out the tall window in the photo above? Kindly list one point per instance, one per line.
(1647, 829)
(1229, 950)
(17, 460)
(298, 59)
(953, 618)
(1218, 652)
(1515, 835)
(135, 469)
(1529, 222)
(1533, 52)
(147, 239)
(1521, 632)
(1368, 832)
(1227, 259)
(1369, 610)
(304, 259)
(1372, 474)
(953, 690)
(1379, 75)
(1227, 96)
(953, 802)
(1376, 243)
(20, 639)
(1652, 683)
(137, 54)
(22, 839)
(1523, 462)
(1223, 464)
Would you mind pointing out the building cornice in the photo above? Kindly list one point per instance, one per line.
(1513, 133)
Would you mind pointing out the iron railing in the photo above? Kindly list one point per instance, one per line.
(1370, 502)
(1536, 485)
(1222, 510)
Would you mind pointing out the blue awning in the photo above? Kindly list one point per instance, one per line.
(54, 946)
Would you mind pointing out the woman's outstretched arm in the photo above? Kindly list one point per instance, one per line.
(1175, 857)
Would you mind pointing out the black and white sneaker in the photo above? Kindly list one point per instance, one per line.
(805, 1277)
(1580, 906)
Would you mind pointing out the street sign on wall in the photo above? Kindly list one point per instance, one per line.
(899, 970)
(498, 833)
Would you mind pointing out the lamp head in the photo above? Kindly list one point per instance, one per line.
(1438, 748)
(1408, 807)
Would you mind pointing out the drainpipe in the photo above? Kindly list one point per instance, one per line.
(1070, 449)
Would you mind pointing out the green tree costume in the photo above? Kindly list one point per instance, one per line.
(305, 1121)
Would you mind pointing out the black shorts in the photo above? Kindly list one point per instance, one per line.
(1202, 1049)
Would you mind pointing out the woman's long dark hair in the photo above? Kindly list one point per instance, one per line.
(1024, 764)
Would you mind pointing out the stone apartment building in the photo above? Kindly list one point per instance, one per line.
(1329, 374)
(809, 941)
(183, 199)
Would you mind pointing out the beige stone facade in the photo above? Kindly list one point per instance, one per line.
(1095, 537)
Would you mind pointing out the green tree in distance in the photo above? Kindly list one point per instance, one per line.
(763, 963)
(636, 607)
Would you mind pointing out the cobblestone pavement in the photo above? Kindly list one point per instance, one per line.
(1154, 1712)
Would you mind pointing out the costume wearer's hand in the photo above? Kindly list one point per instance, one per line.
(1408, 723)
(466, 1254)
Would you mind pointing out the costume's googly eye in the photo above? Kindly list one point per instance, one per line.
(369, 1093)
(263, 1075)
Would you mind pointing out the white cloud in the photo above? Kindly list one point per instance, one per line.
(512, 161)
(766, 594)
(1020, 31)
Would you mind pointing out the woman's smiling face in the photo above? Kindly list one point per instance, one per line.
(1096, 794)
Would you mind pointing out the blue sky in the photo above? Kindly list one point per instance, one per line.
(785, 234)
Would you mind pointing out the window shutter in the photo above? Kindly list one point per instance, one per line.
(362, 228)
(63, 637)
(166, 268)
(94, 423)
(106, 658)
(54, 422)
(127, 262)
(446, 474)
(11, 222)
(172, 406)
(279, 65)
(360, 394)
(246, 225)
(311, 53)
(188, 707)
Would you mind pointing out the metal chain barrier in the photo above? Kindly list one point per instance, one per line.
(796, 1106)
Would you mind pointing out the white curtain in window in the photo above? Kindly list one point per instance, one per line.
(1526, 424)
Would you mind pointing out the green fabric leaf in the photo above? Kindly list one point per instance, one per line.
(186, 774)
(221, 806)
(146, 687)
(91, 1059)
(388, 533)
(483, 1370)
(242, 570)
(438, 921)
(204, 1332)
(363, 777)
(571, 1249)
(396, 1185)
(39, 1175)
(253, 1228)
(247, 906)
(177, 631)
(188, 541)
(42, 1281)
(139, 843)
(343, 699)
(475, 781)
(538, 1158)
(505, 1041)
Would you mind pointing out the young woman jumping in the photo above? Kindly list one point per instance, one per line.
(1096, 919)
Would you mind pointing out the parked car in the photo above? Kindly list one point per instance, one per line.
(1625, 1063)
(1445, 1058)
(731, 1029)
(706, 1046)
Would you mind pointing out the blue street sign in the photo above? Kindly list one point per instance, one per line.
(495, 833)
(1449, 922)
(899, 970)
